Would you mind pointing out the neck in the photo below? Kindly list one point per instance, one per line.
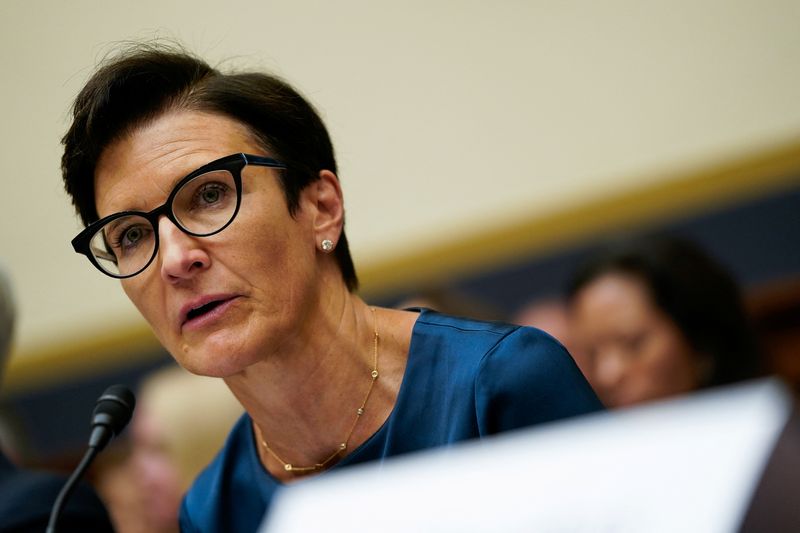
(304, 400)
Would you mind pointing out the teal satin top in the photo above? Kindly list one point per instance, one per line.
(464, 379)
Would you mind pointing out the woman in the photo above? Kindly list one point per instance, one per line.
(657, 317)
(214, 198)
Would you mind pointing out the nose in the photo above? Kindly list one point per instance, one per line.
(181, 256)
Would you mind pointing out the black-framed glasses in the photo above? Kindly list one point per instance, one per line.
(202, 204)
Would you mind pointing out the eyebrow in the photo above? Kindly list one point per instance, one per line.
(113, 225)
(141, 209)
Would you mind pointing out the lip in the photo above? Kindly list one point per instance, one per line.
(200, 321)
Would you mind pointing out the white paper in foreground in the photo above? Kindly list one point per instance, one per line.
(684, 465)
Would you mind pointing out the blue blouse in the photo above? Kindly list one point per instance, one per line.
(464, 379)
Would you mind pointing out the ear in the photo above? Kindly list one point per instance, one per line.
(329, 203)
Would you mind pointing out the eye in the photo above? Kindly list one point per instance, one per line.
(132, 236)
(210, 194)
(206, 203)
(127, 238)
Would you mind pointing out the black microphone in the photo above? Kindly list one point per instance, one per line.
(111, 414)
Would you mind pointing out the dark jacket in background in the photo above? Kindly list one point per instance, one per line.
(26, 498)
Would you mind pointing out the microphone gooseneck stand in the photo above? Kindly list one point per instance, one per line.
(111, 414)
(69, 486)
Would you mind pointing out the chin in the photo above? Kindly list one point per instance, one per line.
(225, 351)
(198, 361)
(210, 365)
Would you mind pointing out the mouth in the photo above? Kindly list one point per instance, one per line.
(204, 310)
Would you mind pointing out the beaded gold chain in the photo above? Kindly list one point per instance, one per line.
(289, 467)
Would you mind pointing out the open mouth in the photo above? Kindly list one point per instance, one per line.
(203, 309)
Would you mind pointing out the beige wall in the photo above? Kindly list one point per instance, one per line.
(449, 117)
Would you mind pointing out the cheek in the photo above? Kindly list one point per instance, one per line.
(274, 248)
(669, 363)
(580, 326)
(144, 295)
(133, 290)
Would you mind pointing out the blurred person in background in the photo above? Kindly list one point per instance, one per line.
(27, 496)
(775, 310)
(656, 317)
(214, 198)
(180, 423)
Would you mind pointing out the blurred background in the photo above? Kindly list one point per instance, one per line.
(485, 149)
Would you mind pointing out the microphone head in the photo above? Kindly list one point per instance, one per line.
(114, 408)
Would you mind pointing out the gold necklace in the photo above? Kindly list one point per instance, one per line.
(289, 467)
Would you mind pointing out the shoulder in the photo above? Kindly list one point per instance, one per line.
(494, 345)
(465, 338)
(430, 319)
(530, 378)
(521, 375)
(518, 376)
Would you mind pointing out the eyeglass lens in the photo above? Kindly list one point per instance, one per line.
(202, 206)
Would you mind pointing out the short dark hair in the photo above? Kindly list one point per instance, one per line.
(693, 290)
(144, 81)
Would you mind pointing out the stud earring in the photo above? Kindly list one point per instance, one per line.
(327, 245)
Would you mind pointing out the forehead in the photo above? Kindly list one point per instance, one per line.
(138, 170)
(612, 295)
